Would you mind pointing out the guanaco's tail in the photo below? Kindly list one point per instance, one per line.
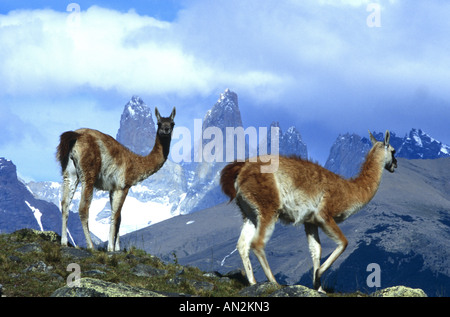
(228, 177)
(67, 141)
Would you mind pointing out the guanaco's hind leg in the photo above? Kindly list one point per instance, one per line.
(70, 183)
(83, 211)
(243, 246)
(259, 207)
(264, 230)
(255, 238)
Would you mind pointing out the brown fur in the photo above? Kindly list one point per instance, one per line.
(323, 199)
(99, 161)
(228, 177)
(67, 141)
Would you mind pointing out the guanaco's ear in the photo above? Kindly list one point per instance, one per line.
(387, 137)
(172, 115)
(372, 138)
(158, 116)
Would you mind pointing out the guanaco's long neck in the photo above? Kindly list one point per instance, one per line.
(367, 182)
(152, 162)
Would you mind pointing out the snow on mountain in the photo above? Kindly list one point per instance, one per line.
(420, 145)
(37, 215)
(136, 214)
(49, 191)
(224, 113)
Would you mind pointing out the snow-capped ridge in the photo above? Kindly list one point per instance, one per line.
(136, 106)
(420, 145)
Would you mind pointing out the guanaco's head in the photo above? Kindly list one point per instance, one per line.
(165, 125)
(390, 162)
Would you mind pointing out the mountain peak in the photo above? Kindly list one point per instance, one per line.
(136, 106)
(137, 129)
(136, 99)
(230, 95)
(7, 171)
(290, 142)
(225, 112)
(347, 154)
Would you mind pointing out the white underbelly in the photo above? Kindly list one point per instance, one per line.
(296, 206)
(297, 211)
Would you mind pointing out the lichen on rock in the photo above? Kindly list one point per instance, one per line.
(90, 287)
(399, 291)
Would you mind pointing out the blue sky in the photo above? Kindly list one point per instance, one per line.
(160, 9)
(318, 65)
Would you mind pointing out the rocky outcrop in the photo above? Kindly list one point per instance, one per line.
(90, 287)
(269, 289)
(399, 291)
(297, 291)
(33, 235)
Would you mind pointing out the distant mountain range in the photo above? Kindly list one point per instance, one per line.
(349, 150)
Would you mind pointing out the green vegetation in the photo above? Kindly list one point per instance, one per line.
(33, 264)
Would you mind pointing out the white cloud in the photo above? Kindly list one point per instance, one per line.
(44, 51)
(266, 49)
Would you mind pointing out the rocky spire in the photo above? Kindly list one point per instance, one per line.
(137, 129)
(224, 113)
